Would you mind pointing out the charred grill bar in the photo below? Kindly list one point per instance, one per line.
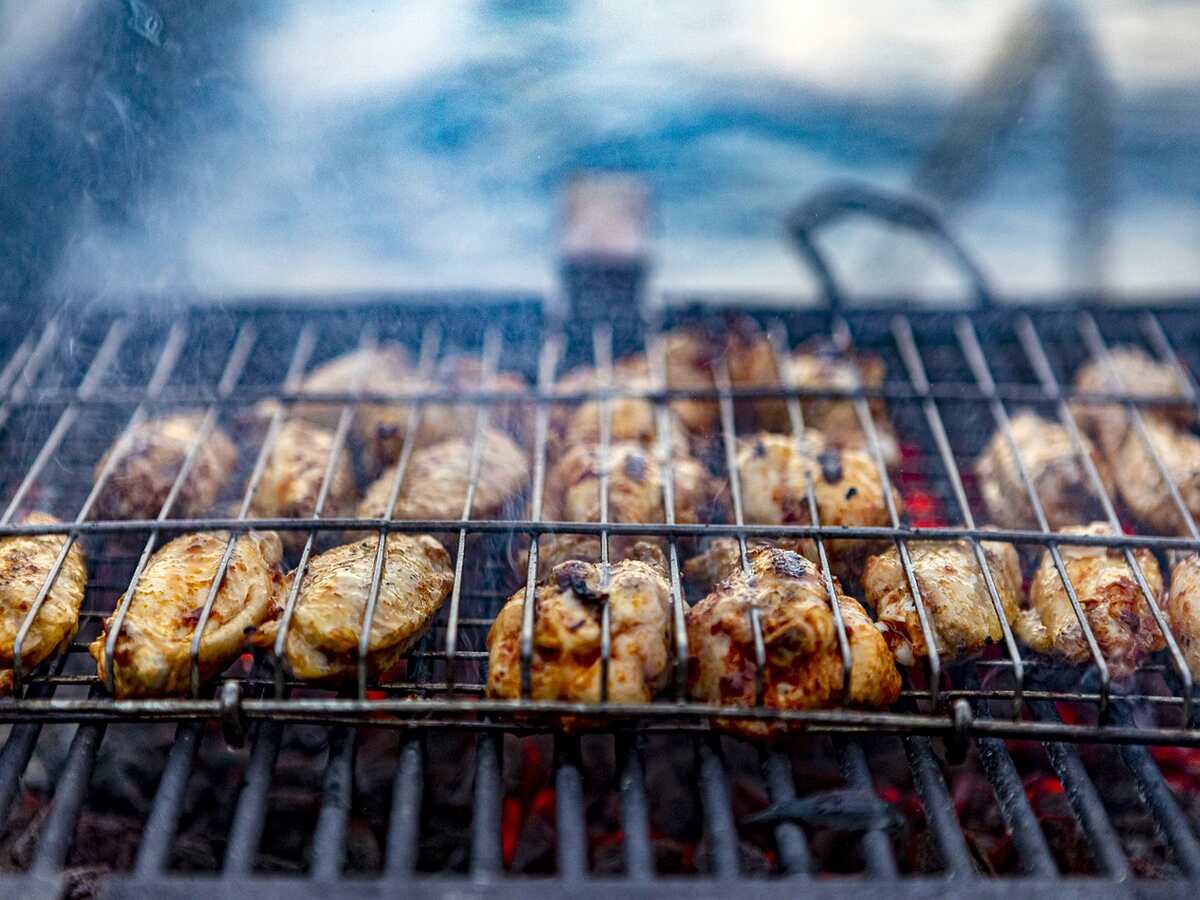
(954, 377)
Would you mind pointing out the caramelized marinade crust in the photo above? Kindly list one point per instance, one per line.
(955, 595)
(774, 469)
(25, 564)
(635, 494)
(149, 462)
(566, 643)
(152, 657)
(322, 640)
(1115, 607)
(804, 665)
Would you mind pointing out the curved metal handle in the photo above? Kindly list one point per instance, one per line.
(831, 204)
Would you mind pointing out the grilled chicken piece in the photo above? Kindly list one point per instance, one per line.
(566, 641)
(292, 477)
(954, 592)
(322, 640)
(631, 418)
(1183, 608)
(804, 665)
(146, 469)
(152, 654)
(376, 369)
(635, 494)
(691, 354)
(1139, 374)
(1115, 607)
(722, 557)
(1060, 479)
(846, 484)
(1141, 486)
(25, 564)
(436, 480)
(382, 428)
(817, 364)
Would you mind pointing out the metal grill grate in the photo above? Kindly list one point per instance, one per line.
(953, 378)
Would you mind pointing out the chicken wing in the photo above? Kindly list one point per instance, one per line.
(846, 484)
(436, 481)
(1142, 487)
(382, 428)
(292, 478)
(954, 592)
(803, 663)
(1115, 608)
(566, 642)
(1138, 374)
(630, 418)
(635, 494)
(149, 462)
(375, 369)
(25, 564)
(322, 640)
(816, 365)
(152, 657)
(1055, 471)
(1183, 608)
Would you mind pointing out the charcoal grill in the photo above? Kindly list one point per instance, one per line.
(73, 383)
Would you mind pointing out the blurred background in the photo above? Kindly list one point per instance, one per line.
(181, 147)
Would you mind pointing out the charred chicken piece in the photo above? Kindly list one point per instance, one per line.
(150, 461)
(1139, 374)
(152, 657)
(382, 428)
(954, 592)
(804, 665)
(436, 481)
(722, 557)
(566, 642)
(631, 418)
(1183, 608)
(1141, 485)
(1059, 478)
(292, 477)
(322, 640)
(1115, 608)
(635, 494)
(773, 470)
(25, 564)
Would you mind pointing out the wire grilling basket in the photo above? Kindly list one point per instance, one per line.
(71, 389)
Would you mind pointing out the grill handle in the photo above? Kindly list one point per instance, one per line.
(829, 205)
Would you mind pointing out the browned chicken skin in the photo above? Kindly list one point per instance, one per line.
(438, 475)
(1115, 608)
(150, 461)
(292, 478)
(25, 564)
(804, 664)
(1141, 486)
(846, 484)
(322, 641)
(955, 595)
(1137, 374)
(1060, 480)
(1183, 608)
(152, 657)
(566, 644)
(817, 364)
(382, 428)
(635, 494)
